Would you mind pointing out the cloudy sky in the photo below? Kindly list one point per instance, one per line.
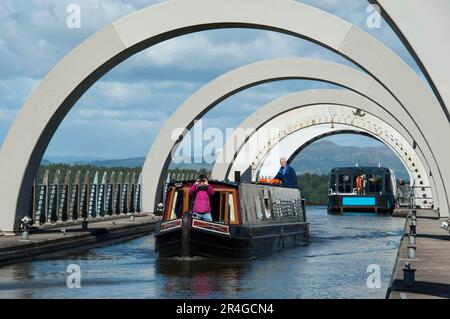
(121, 114)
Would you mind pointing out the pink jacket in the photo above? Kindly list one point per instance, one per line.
(201, 201)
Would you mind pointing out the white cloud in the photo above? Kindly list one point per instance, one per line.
(144, 95)
(35, 31)
(124, 116)
(206, 51)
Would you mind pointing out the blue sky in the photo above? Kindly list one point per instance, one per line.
(121, 114)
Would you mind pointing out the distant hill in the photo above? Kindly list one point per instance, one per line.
(45, 162)
(127, 162)
(318, 158)
(71, 159)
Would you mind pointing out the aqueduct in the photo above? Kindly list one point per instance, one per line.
(28, 137)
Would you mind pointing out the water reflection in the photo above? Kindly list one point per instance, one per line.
(200, 277)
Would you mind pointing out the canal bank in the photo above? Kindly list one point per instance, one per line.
(431, 262)
(62, 238)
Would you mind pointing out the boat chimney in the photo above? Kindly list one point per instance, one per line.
(237, 176)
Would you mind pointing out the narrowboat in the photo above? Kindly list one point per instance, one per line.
(361, 189)
(248, 220)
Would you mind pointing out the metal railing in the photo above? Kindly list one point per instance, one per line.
(406, 196)
(82, 199)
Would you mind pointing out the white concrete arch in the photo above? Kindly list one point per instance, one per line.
(211, 94)
(29, 135)
(306, 136)
(265, 115)
(268, 139)
(309, 122)
(425, 40)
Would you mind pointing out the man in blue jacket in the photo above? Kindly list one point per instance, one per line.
(287, 175)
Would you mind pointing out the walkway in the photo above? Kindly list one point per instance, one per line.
(60, 239)
(432, 261)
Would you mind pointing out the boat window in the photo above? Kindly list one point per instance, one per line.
(387, 184)
(345, 183)
(292, 212)
(217, 204)
(297, 207)
(332, 183)
(267, 204)
(267, 208)
(276, 212)
(287, 210)
(258, 207)
(374, 183)
(177, 204)
(358, 184)
(223, 207)
(232, 213)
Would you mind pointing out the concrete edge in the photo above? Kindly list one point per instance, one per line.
(394, 269)
(70, 244)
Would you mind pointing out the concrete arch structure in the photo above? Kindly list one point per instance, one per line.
(293, 143)
(211, 94)
(42, 113)
(265, 117)
(311, 121)
(425, 40)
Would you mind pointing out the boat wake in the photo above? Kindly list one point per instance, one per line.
(368, 235)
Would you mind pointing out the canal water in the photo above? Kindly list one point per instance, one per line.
(333, 265)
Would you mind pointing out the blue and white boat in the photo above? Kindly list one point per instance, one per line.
(361, 189)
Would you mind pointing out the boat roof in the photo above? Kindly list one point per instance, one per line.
(360, 169)
(180, 183)
(210, 181)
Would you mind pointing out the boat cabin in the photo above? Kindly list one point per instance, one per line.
(234, 204)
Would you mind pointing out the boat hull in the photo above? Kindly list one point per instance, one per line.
(242, 242)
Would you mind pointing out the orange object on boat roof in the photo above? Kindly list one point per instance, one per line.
(271, 181)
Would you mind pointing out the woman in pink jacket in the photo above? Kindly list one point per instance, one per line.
(201, 191)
